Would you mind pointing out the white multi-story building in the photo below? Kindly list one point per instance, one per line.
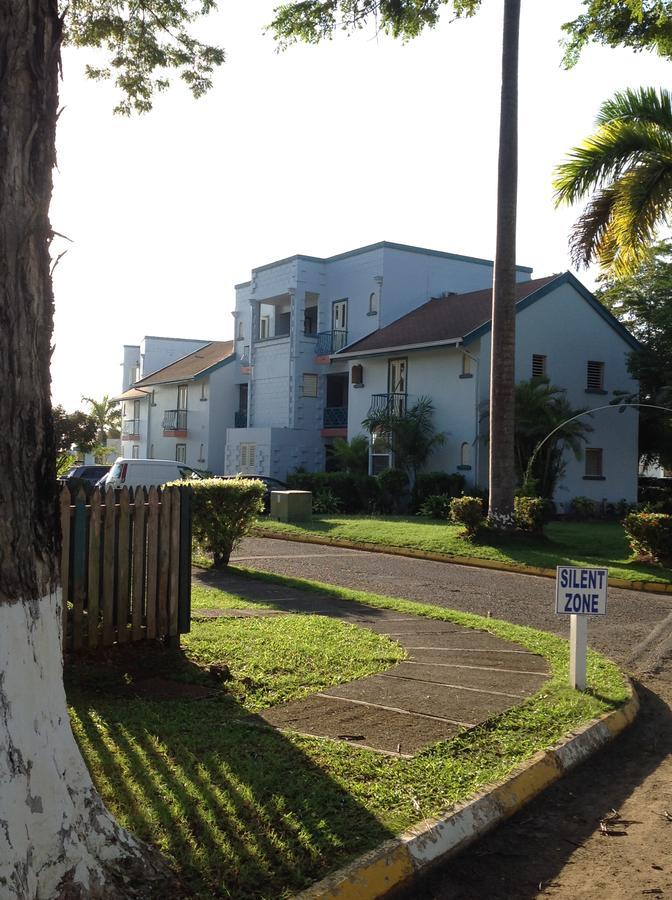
(318, 343)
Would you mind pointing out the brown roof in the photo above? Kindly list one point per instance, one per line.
(131, 394)
(440, 320)
(195, 364)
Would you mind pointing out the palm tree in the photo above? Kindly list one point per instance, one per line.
(410, 435)
(540, 409)
(626, 168)
(107, 416)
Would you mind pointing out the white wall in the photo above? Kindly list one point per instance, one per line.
(563, 327)
(157, 352)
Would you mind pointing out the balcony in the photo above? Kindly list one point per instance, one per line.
(388, 404)
(130, 430)
(329, 342)
(335, 417)
(240, 418)
(175, 423)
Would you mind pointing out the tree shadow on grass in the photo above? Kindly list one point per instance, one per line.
(240, 812)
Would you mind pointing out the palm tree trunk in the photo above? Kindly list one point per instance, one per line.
(502, 359)
(56, 838)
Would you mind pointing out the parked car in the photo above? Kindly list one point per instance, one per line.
(134, 473)
(271, 484)
(92, 474)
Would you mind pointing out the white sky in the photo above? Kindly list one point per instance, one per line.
(317, 150)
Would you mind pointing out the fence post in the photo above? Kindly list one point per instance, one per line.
(123, 570)
(164, 562)
(65, 560)
(79, 569)
(174, 582)
(184, 601)
(152, 560)
(93, 603)
(138, 562)
(109, 564)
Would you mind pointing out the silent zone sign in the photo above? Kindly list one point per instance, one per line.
(581, 592)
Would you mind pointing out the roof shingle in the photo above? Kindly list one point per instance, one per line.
(190, 366)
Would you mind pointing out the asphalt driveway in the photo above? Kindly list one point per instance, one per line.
(523, 599)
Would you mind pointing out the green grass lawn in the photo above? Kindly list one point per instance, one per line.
(246, 812)
(565, 543)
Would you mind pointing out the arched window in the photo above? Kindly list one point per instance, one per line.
(464, 454)
(372, 304)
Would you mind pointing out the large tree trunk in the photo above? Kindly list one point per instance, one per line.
(502, 359)
(56, 837)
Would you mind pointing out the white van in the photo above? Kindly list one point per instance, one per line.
(133, 473)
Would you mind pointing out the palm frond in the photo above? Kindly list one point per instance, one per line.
(645, 104)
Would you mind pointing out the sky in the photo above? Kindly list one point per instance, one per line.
(316, 150)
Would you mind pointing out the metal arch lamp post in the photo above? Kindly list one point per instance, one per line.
(620, 407)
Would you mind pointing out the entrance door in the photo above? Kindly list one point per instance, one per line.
(339, 324)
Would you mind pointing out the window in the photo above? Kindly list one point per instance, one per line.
(241, 330)
(182, 396)
(538, 365)
(593, 462)
(464, 456)
(248, 456)
(152, 399)
(372, 305)
(595, 377)
(135, 451)
(264, 327)
(151, 451)
(467, 366)
(204, 391)
(201, 453)
(309, 385)
(181, 453)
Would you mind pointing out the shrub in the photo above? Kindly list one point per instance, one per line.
(468, 511)
(434, 484)
(325, 503)
(223, 511)
(583, 507)
(650, 535)
(355, 493)
(436, 506)
(530, 514)
(391, 483)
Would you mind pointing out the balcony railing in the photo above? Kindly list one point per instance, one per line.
(175, 420)
(240, 418)
(330, 342)
(131, 427)
(391, 404)
(335, 417)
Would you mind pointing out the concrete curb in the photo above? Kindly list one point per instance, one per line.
(398, 861)
(653, 587)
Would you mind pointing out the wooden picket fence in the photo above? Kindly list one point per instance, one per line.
(125, 566)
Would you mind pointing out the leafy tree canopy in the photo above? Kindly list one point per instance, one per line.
(638, 24)
(107, 415)
(144, 40)
(643, 302)
(74, 428)
(625, 170)
(313, 20)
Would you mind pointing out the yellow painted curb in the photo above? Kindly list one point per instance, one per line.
(654, 587)
(396, 862)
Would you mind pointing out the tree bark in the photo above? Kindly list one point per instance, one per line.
(56, 837)
(502, 359)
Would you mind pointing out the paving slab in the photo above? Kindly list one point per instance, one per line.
(466, 639)
(463, 705)
(520, 683)
(371, 727)
(511, 660)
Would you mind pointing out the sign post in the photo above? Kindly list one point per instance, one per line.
(580, 593)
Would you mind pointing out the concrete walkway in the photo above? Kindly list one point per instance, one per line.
(453, 678)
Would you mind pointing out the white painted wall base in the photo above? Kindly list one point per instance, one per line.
(54, 829)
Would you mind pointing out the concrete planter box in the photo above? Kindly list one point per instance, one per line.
(291, 506)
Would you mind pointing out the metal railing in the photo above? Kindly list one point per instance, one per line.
(392, 404)
(130, 426)
(335, 417)
(330, 342)
(175, 420)
(240, 418)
